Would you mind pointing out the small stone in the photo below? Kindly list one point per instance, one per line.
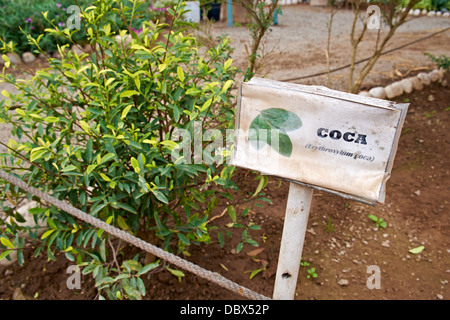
(440, 296)
(446, 14)
(56, 55)
(365, 94)
(77, 50)
(407, 85)
(434, 75)
(425, 78)
(385, 244)
(8, 272)
(393, 90)
(417, 192)
(424, 12)
(378, 92)
(19, 295)
(431, 13)
(417, 12)
(439, 13)
(87, 48)
(28, 57)
(417, 83)
(431, 98)
(13, 58)
(343, 282)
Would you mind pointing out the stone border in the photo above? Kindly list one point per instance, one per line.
(406, 85)
(28, 57)
(425, 12)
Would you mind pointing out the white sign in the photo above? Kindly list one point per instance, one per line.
(325, 139)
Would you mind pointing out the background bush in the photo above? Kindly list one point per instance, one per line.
(27, 15)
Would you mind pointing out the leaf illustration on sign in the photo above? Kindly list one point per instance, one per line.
(270, 127)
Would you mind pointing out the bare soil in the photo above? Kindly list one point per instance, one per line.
(341, 241)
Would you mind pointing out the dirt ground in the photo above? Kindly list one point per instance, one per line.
(341, 241)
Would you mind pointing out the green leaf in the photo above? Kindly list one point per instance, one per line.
(107, 157)
(239, 247)
(132, 293)
(125, 111)
(160, 196)
(263, 181)
(255, 272)
(221, 239)
(69, 168)
(37, 153)
(128, 93)
(51, 119)
(148, 268)
(141, 286)
(5, 253)
(232, 212)
(417, 250)
(47, 233)
(6, 242)
(177, 273)
(183, 238)
(180, 73)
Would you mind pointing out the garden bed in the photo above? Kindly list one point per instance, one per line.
(341, 241)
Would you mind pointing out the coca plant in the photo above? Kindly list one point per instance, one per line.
(98, 131)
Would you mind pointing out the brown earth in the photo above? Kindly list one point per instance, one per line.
(341, 242)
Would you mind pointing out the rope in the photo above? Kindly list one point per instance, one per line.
(366, 59)
(125, 236)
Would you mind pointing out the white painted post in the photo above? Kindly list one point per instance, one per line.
(294, 230)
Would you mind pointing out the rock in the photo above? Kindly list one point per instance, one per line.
(378, 92)
(8, 272)
(343, 282)
(417, 12)
(77, 50)
(407, 85)
(446, 14)
(28, 57)
(425, 78)
(87, 48)
(438, 14)
(434, 75)
(417, 83)
(393, 90)
(19, 295)
(424, 12)
(385, 244)
(13, 58)
(365, 94)
(56, 55)
(431, 13)
(440, 296)
(431, 98)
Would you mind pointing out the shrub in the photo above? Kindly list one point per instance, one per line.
(24, 17)
(100, 132)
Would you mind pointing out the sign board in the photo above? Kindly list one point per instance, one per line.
(321, 138)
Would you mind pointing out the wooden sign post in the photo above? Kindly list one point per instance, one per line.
(316, 138)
